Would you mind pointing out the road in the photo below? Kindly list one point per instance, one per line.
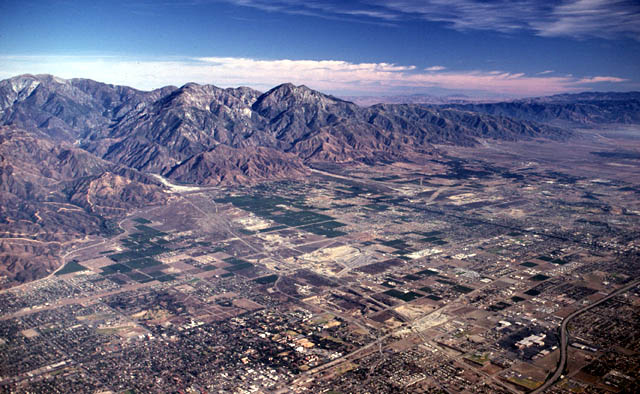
(564, 336)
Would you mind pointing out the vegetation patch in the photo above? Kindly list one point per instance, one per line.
(524, 382)
(327, 229)
(239, 267)
(70, 267)
(498, 306)
(166, 278)
(408, 296)
(143, 263)
(478, 358)
(427, 272)
(380, 266)
(462, 289)
(115, 268)
(139, 277)
(266, 279)
(539, 277)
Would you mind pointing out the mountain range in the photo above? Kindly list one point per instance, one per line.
(366, 101)
(566, 109)
(76, 155)
(169, 128)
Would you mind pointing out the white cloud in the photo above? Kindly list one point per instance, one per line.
(435, 68)
(600, 79)
(332, 76)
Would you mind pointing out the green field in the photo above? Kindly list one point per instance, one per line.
(408, 296)
(70, 267)
(266, 279)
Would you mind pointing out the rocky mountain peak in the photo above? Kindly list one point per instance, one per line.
(17, 89)
(302, 93)
(288, 95)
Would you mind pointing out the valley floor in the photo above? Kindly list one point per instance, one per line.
(454, 275)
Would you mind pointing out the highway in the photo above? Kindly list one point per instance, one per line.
(564, 336)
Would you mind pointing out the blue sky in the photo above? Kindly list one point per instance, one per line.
(484, 48)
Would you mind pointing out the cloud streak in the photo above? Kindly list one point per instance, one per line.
(327, 9)
(553, 18)
(332, 76)
(601, 18)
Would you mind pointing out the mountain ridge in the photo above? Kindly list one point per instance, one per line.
(156, 131)
(54, 194)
